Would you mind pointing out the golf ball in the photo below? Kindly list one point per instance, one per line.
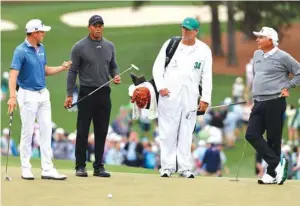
(109, 195)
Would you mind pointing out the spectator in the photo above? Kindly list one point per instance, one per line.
(238, 89)
(121, 125)
(249, 79)
(4, 85)
(149, 157)
(145, 123)
(198, 155)
(296, 166)
(246, 115)
(61, 147)
(230, 125)
(223, 160)
(4, 144)
(114, 155)
(133, 151)
(72, 144)
(211, 161)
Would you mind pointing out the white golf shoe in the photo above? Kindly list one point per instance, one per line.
(267, 179)
(281, 171)
(27, 174)
(187, 174)
(52, 175)
(165, 173)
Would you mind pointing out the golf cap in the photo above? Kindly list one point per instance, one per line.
(190, 24)
(35, 25)
(267, 32)
(95, 19)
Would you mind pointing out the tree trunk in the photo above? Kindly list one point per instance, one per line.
(251, 19)
(232, 59)
(215, 30)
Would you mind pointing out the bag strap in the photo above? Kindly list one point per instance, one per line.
(171, 49)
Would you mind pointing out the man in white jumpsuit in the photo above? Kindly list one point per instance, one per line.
(178, 84)
(28, 71)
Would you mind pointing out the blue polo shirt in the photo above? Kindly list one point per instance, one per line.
(31, 66)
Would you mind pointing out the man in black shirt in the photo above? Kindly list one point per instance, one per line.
(94, 60)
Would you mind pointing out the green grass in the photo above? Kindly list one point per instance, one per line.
(69, 165)
(138, 45)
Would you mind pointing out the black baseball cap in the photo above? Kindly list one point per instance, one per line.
(95, 19)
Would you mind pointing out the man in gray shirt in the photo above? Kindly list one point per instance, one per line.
(271, 84)
(94, 61)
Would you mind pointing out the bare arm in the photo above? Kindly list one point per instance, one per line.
(55, 70)
(12, 83)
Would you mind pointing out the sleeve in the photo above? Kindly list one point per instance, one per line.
(206, 78)
(113, 63)
(159, 67)
(17, 60)
(293, 67)
(73, 71)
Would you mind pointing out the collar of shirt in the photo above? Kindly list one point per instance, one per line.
(30, 45)
(271, 52)
(188, 48)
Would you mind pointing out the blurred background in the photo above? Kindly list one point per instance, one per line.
(138, 29)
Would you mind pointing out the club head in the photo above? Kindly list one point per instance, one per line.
(8, 178)
(135, 67)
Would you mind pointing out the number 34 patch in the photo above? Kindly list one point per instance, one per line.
(197, 65)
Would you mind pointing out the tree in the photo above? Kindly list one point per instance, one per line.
(231, 58)
(278, 15)
(215, 29)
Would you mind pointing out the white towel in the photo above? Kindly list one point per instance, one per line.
(152, 112)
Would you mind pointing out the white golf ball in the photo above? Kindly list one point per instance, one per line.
(109, 195)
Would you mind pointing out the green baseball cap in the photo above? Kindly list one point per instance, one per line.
(190, 23)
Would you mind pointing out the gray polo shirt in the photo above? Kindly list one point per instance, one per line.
(94, 61)
(271, 74)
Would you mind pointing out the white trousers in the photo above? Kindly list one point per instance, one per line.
(35, 105)
(176, 131)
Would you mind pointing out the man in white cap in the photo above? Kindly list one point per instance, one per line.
(27, 76)
(271, 84)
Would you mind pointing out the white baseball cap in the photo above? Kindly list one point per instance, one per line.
(35, 25)
(267, 32)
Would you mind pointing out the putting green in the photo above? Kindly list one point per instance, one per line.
(144, 189)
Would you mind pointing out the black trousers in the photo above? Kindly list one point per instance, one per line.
(267, 116)
(96, 108)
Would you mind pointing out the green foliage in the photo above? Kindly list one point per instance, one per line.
(278, 15)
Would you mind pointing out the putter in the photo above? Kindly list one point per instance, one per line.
(239, 165)
(9, 128)
(188, 115)
(131, 67)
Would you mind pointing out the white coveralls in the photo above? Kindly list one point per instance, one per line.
(189, 67)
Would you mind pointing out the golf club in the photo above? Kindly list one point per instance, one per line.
(131, 67)
(188, 115)
(239, 165)
(8, 148)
